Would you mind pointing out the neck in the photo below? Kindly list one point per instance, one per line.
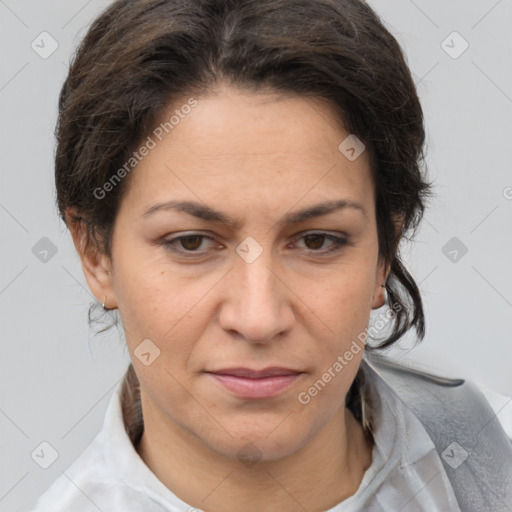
(320, 475)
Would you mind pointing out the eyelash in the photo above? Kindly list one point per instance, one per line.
(338, 244)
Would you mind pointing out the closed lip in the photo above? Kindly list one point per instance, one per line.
(249, 373)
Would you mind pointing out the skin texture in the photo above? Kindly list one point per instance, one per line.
(255, 157)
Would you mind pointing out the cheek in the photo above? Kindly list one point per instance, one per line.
(345, 302)
(162, 305)
(344, 309)
(343, 306)
(157, 306)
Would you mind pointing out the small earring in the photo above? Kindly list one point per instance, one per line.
(385, 297)
(104, 303)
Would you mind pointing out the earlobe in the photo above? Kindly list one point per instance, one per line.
(95, 264)
(379, 298)
(380, 294)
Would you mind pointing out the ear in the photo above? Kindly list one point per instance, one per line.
(381, 276)
(96, 265)
(379, 291)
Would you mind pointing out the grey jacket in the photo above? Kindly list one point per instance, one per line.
(474, 448)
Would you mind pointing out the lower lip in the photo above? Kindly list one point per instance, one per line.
(265, 387)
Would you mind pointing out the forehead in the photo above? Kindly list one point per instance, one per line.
(245, 148)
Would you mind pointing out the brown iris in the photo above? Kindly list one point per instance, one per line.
(316, 241)
(191, 242)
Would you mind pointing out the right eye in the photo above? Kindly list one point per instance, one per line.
(188, 244)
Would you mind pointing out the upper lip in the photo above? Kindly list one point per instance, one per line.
(249, 373)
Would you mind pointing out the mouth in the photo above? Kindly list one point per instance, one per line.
(250, 383)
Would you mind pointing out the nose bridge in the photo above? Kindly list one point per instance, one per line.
(253, 264)
(258, 280)
(258, 306)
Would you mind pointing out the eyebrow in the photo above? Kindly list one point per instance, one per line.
(204, 212)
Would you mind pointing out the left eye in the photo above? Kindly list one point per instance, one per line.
(315, 241)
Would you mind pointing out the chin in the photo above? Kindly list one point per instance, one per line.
(250, 451)
(265, 442)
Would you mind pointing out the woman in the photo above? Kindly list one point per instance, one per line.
(237, 176)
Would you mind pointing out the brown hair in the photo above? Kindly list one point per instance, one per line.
(140, 56)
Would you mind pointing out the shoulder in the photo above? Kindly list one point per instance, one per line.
(95, 480)
(501, 405)
(405, 372)
(90, 484)
(441, 394)
(77, 486)
(108, 476)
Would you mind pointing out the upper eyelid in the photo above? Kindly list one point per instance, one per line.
(335, 234)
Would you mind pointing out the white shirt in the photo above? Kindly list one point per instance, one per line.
(406, 473)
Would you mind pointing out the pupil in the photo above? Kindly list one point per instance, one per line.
(196, 242)
(316, 239)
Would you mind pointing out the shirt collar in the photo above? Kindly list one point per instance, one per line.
(124, 463)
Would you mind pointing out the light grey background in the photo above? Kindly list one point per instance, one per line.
(56, 379)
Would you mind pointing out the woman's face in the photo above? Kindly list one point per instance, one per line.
(229, 253)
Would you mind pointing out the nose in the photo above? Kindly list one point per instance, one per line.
(257, 305)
